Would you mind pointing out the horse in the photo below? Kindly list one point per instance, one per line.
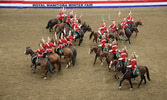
(68, 55)
(73, 49)
(85, 27)
(80, 36)
(109, 58)
(127, 74)
(51, 23)
(113, 36)
(135, 26)
(43, 62)
(97, 50)
(96, 35)
(60, 28)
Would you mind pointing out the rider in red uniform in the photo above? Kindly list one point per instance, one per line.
(102, 29)
(49, 47)
(68, 20)
(114, 49)
(113, 27)
(103, 42)
(129, 20)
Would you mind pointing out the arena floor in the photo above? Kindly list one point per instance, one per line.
(25, 27)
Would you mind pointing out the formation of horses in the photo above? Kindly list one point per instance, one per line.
(62, 30)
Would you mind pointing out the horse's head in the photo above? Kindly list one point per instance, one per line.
(28, 51)
(139, 22)
(92, 48)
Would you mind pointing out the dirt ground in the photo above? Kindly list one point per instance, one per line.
(25, 27)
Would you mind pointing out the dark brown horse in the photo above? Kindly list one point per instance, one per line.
(52, 23)
(135, 26)
(86, 27)
(97, 50)
(43, 62)
(109, 58)
(127, 74)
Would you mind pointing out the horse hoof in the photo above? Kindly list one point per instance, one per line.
(102, 64)
(120, 87)
(131, 89)
(44, 78)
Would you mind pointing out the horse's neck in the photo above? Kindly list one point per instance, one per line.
(32, 53)
(136, 24)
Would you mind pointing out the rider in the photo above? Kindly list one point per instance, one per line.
(103, 41)
(40, 54)
(61, 15)
(130, 19)
(114, 49)
(113, 27)
(133, 64)
(76, 29)
(124, 24)
(123, 56)
(49, 47)
(102, 29)
(68, 20)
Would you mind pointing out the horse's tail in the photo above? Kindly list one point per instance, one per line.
(147, 72)
(91, 35)
(74, 57)
(48, 67)
(49, 23)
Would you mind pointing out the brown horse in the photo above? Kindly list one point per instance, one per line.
(127, 74)
(95, 34)
(51, 23)
(98, 51)
(59, 28)
(109, 58)
(113, 36)
(135, 26)
(68, 55)
(43, 62)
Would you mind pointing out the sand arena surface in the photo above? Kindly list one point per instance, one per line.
(24, 27)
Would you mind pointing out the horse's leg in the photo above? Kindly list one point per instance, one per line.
(131, 86)
(45, 76)
(67, 61)
(59, 66)
(144, 80)
(142, 77)
(121, 83)
(53, 66)
(95, 59)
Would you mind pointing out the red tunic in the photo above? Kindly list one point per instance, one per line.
(61, 16)
(133, 63)
(123, 56)
(62, 41)
(124, 24)
(129, 19)
(73, 24)
(103, 41)
(68, 20)
(114, 49)
(113, 27)
(76, 28)
(49, 46)
(69, 38)
(40, 52)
